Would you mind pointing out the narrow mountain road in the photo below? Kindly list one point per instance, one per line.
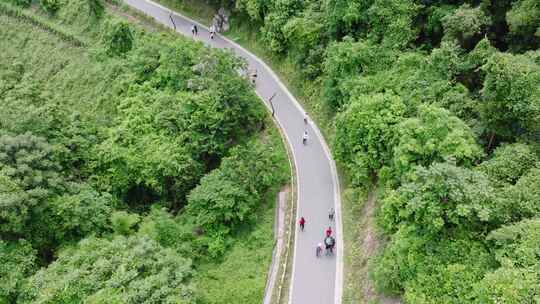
(314, 280)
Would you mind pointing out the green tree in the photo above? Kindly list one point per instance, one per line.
(518, 278)
(391, 22)
(347, 59)
(51, 6)
(524, 22)
(465, 24)
(29, 174)
(81, 212)
(433, 136)
(439, 198)
(519, 201)
(509, 162)
(365, 133)
(345, 16)
(118, 37)
(132, 270)
(17, 261)
(228, 196)
(430, 270)
(123, 222)
(511, 95)
(96, 8)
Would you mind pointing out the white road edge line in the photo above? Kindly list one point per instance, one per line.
(337, 194)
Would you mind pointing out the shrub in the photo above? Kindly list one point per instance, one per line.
(51, 6)
(118, 38)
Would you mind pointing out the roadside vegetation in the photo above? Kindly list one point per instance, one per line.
(437, 105)
(135, 166)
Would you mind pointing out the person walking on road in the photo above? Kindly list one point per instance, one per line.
(329, 231)
(194, 30)
(304, 138)
(254, 76)
(212, 31)
(302, 222)
(331, 213)
(318, 250)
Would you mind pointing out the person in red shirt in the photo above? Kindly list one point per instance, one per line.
(302, 223)
(329, 231)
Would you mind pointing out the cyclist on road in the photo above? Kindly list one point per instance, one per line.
(304, 138)
(331, 213)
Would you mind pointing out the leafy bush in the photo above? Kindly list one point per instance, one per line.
(465, 23)
(50, 6)
(228, 196)
(18, 261)
(96, 8)
(118, 38)
(517, 280)
(438, 199)
(365, 133)
(128, 269)
(509, 163)
(29, 174)
(511, 93)
(123, 222)
(434, 135)
(519, 202)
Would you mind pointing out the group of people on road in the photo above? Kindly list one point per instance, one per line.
(329, 242)
(195, 31)
(305, 135)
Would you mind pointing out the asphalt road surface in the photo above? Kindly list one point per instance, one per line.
(314, 280)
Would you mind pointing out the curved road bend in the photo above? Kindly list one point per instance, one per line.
(314, 281)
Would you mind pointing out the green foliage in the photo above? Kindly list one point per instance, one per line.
(132, 270)
(23, 3)
(17, 261)
(509, 163)
(84, 136)
(346, 59)
(511, 94)
(345, 16)
(524, 22)
(517, 280)
(29, 174)
(465, 23)
(228, 196)
(118, 38)
(520, 201)
(438, 199)
(81, 213)
(391, 22)
(365, 133)
(280, 12)
(96, 8)
(51, 6)
(430, 270)
(254, 8)
(434, 135)
(169, 231)
(123, 222)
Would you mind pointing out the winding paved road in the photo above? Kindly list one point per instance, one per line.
(314, 281)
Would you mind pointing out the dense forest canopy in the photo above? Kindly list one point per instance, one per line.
(128, 159)
(438, 103)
